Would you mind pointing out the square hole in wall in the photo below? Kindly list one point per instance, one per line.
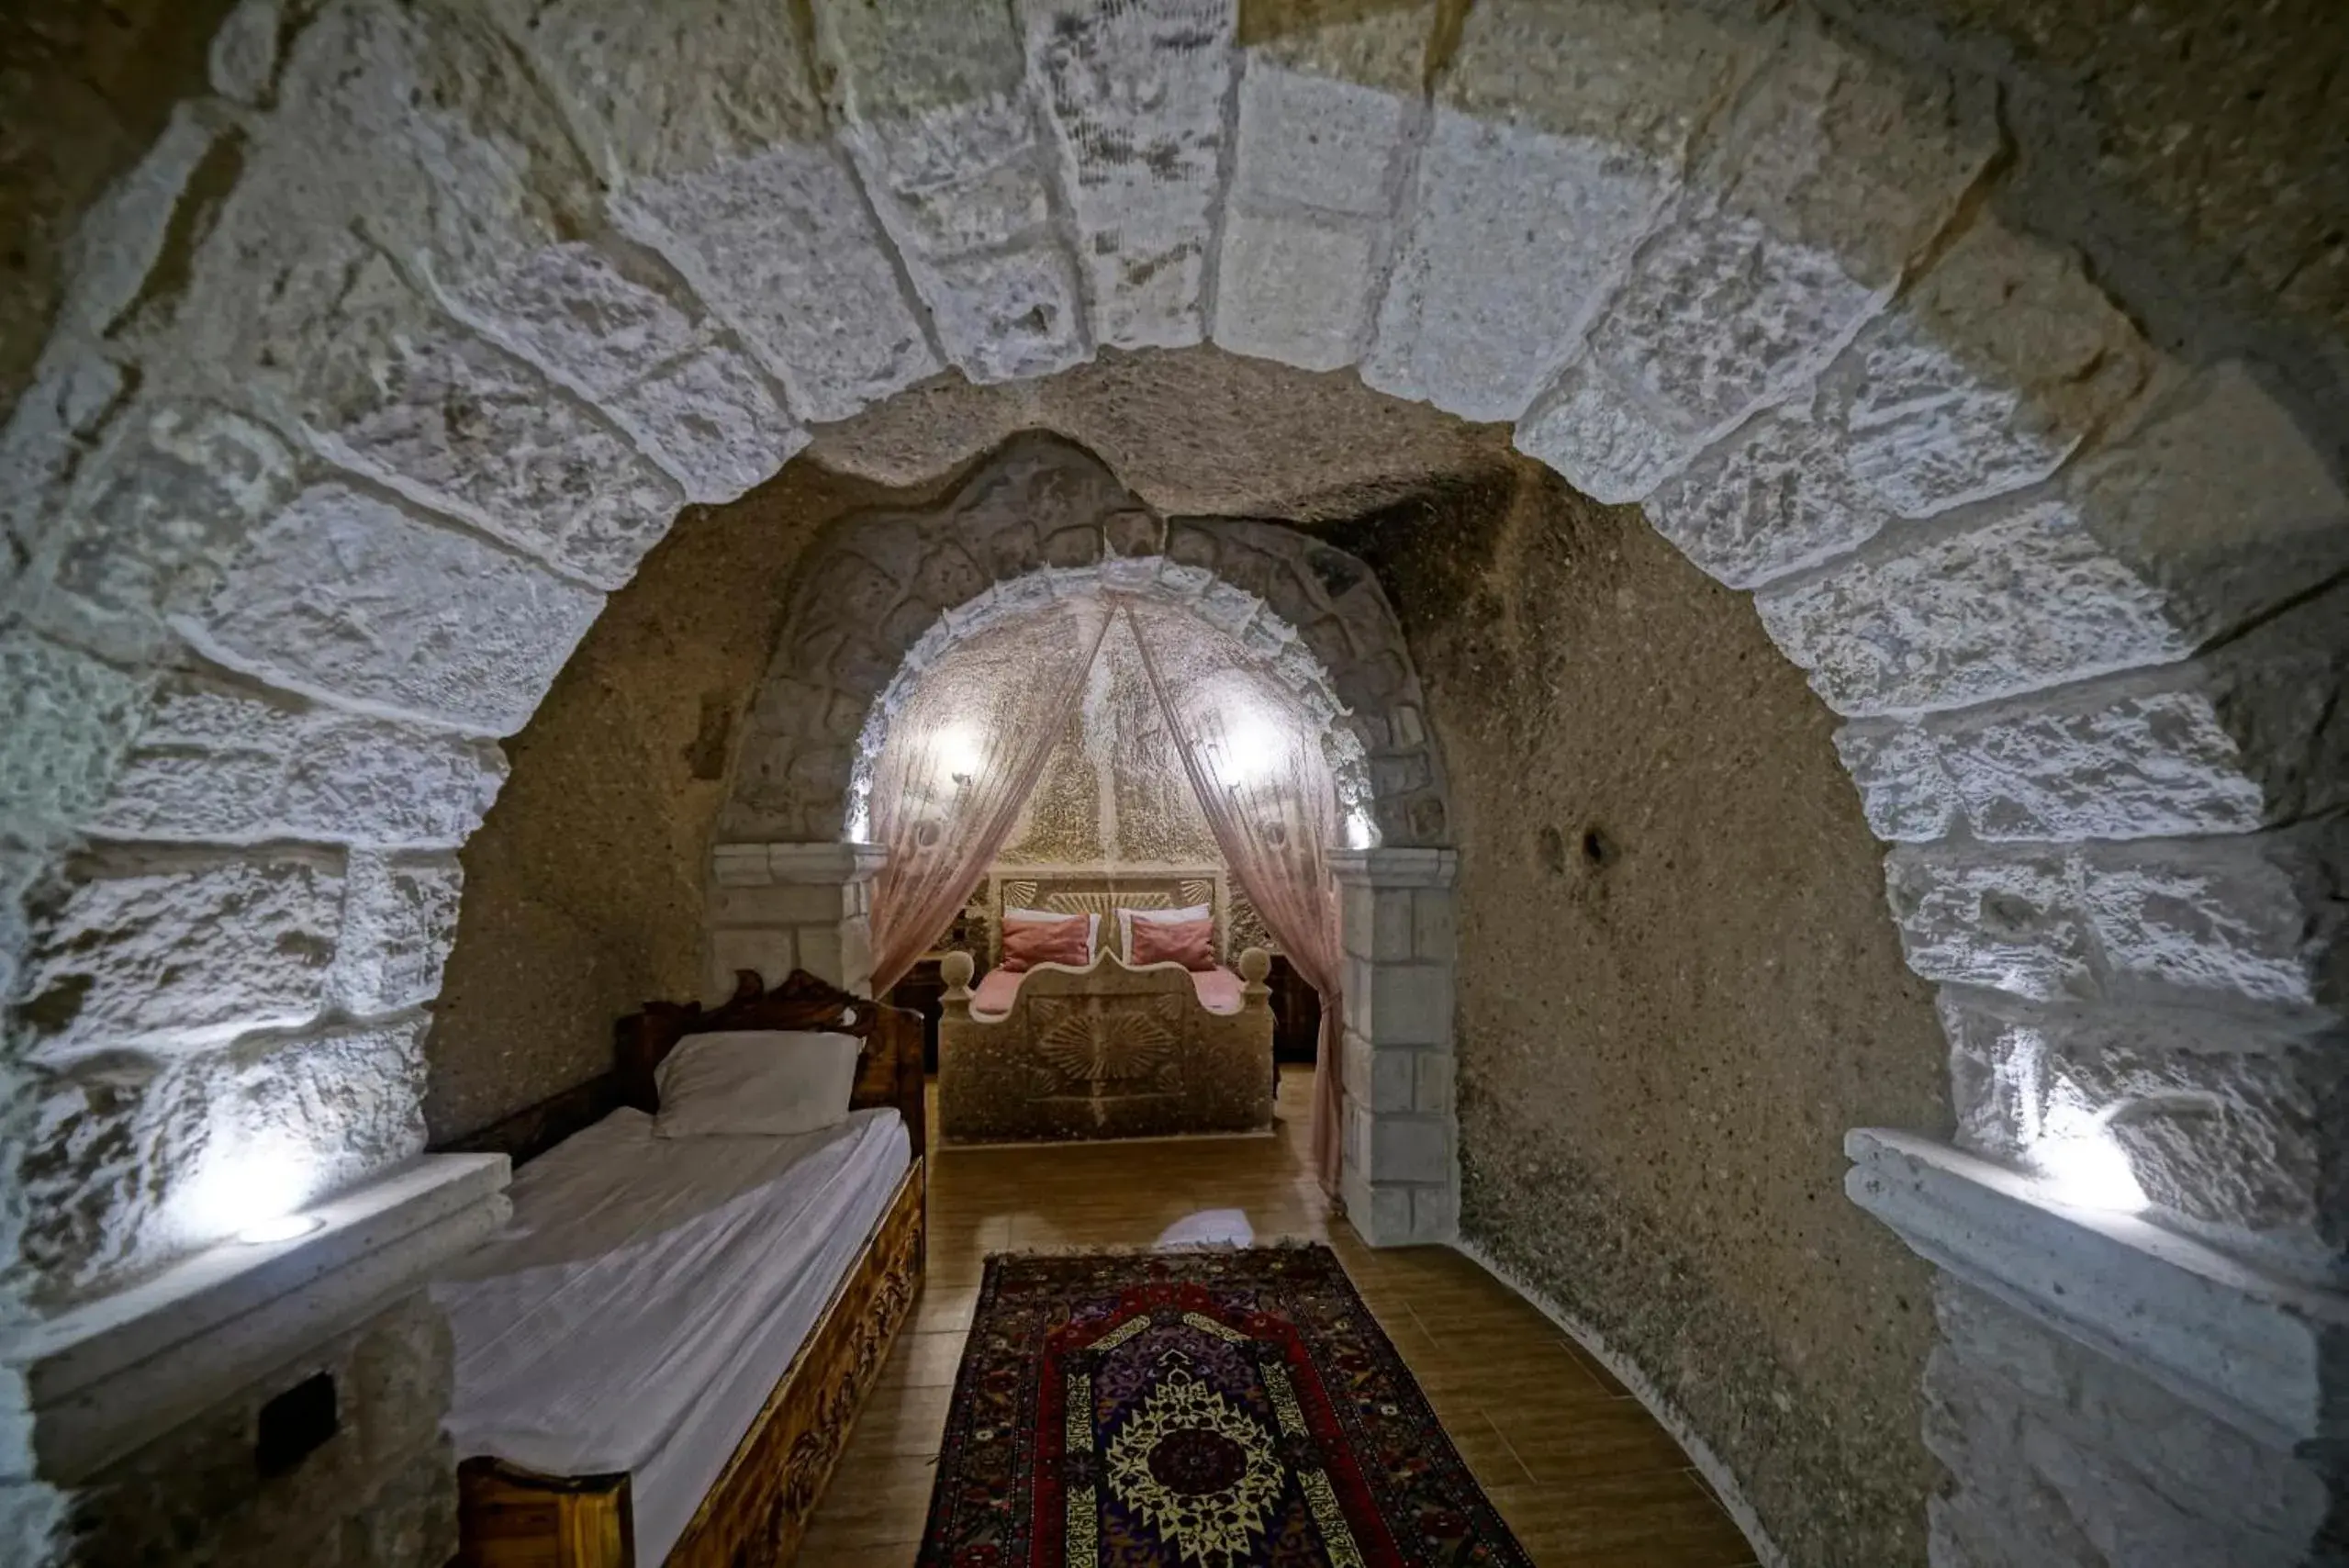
(295, 1424)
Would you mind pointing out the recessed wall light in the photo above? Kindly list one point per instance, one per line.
(285, 1227)
(2090, 1170)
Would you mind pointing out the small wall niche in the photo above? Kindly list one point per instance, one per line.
(296, 1424)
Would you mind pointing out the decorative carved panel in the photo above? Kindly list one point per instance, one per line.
(1102, 890)
(1087, 1046)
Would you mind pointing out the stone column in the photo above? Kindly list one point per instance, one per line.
(1401, 1180)
(777, 907)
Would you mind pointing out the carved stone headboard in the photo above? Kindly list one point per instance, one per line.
(1102, 890)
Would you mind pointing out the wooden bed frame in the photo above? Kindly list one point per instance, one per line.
(759, 1507)
(1103, 1051)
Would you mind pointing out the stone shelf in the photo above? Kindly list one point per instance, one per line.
(2255, 1352)
(90, 1384)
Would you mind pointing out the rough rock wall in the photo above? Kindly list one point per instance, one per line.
(336, 305)
(2168, 140)
(1677, 987)
(1042, 519)
(409, 343)
(380, 1492)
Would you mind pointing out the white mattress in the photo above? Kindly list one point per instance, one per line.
(639, 1307)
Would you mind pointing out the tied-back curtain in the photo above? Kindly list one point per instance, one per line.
(1270, 799)
(962, 758)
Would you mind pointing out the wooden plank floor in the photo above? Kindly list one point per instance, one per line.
(1581, 1472)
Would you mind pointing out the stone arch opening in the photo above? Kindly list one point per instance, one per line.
(1255, 636)
(1041, 521)
(2076, 590)
(883, 598)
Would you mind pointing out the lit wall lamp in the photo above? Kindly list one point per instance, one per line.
(2088, 1168)
(959, 751)
(1249, 750)
(252, 1190)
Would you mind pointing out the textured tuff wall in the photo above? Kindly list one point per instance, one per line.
(379, 1493)
(1676, 988)
(84, 92)
(1673, 1043)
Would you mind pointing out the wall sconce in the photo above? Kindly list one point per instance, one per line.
(959, 753)
(1248, 751)
(252, 1192)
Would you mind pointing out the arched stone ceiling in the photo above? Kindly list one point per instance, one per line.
(403, 345)
(883, 598)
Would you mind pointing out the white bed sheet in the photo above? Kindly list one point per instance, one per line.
(640, 1305)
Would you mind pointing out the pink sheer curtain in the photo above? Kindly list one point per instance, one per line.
(963, 755)
(1269, 796)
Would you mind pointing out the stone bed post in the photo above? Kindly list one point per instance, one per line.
(777, 907)
(1401, 1182)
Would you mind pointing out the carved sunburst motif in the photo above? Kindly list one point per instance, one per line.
(1094, 1049)
(1197, 1467)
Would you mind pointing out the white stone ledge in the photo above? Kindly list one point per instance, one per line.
(2253, 1351)
(1396, 867)
(823, 861)
(91, 1384)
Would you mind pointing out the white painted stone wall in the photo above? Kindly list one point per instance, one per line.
(1401, 1177)
(773, 908)
(146, 1409)
(2105, 1392)
(2074, 1461)
(405, 343)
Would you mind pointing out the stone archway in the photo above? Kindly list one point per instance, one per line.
(404, 344)
(888, 595)
(883, 596)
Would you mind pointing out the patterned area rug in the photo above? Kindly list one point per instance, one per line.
(1211, 1409)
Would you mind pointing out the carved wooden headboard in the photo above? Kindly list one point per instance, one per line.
(888, 1072)
(1102, 891)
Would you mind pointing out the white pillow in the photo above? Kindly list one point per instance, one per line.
(1092, 927)
(1127, 917)
(755, 1082)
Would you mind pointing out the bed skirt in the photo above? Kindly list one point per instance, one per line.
(759, 1507)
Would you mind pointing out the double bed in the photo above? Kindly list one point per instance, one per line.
(658, 1359)
(1107, 1047)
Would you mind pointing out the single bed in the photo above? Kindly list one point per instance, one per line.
(658, 1359)
(1107, 1049)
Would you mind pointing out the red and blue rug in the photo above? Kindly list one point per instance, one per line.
(1202, 1409)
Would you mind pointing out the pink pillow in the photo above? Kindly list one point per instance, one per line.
(1190, 943)
(1027, 943)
